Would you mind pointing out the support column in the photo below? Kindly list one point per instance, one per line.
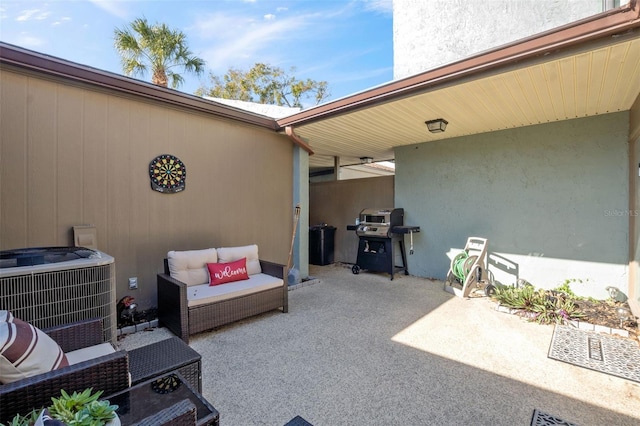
(336, 168)
(300, 260)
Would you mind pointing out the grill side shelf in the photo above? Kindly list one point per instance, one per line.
(404, 229)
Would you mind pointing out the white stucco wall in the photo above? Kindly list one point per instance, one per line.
(551, 198)
(429, 33)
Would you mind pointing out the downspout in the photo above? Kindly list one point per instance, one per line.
(296, 139)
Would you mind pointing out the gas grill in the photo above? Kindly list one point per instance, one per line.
(379, 232)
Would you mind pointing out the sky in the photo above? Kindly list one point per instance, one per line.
(348, 43)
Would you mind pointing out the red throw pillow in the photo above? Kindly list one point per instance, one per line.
(221, 273)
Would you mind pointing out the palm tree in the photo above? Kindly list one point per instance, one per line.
(157, 49)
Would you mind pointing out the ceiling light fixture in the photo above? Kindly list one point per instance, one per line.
(366, 160)
(437, 126)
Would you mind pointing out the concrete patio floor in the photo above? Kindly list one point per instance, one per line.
(362, 349)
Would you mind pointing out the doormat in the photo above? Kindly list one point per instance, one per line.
(600, 352)
(540, 418)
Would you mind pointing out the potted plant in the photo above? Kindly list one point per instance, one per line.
(77, 409)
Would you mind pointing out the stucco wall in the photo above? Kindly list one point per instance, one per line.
(428, 33)
(75, 155)
(551, 198)
(634, 207)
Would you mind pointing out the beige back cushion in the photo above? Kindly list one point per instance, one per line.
(190, 266)
(229, 254)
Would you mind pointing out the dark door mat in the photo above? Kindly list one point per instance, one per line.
(540, 418)
(613, 355)
(298, 421)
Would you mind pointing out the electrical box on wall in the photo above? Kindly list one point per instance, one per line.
(133, 283)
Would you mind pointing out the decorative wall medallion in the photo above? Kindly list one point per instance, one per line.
(167, 174)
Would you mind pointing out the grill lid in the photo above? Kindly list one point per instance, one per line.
(377, 222)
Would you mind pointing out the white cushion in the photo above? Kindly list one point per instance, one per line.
(190, 266)
(92, 352)
(205, 294)
(230, 254)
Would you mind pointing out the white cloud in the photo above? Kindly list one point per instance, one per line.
(240, 41)
(30, 14)
(28, 41)
(269, 17)
(113, 7)
(62, 20)
(347, 76)
(382, 6)
(281, 9)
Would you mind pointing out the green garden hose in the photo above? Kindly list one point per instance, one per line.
(457, 266)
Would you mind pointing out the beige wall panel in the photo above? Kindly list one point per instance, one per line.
(42, 169)
(83, 159)
(338, 203)
(140, 238)
(118, 183)
(13, 160)
(94, 165)
(69, 160)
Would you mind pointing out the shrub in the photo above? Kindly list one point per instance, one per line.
(547, 306)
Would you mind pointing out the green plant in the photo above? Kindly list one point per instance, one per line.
(25, 420)
(77, 409)
(565, 287)
(547, 306)
(516, 297)
(556, 308)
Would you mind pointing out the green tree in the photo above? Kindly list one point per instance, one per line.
(265, 84)
(156, 49)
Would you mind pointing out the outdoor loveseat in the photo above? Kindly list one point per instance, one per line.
(191, 301)
(108, 372)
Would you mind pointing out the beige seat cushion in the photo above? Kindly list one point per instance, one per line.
(190, 266)
(206, 294)
(91, 352)
(230, 254)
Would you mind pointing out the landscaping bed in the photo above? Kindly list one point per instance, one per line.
(563, 306)
(603, 312)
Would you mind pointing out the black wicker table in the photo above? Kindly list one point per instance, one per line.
(164, 357)
(144, 401)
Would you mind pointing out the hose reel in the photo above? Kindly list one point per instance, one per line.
(468, 269)
(462, 264)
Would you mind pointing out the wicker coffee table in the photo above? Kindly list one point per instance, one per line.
(164, 357)
(142, 402)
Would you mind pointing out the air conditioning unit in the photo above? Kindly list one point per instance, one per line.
(57, 285)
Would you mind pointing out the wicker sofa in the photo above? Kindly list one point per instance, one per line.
(109, 373)
(187, 304)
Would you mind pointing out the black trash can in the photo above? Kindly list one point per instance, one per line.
(321, 238)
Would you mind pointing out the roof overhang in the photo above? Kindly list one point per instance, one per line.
(586, 68)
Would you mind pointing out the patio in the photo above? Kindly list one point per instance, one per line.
(366, 350)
